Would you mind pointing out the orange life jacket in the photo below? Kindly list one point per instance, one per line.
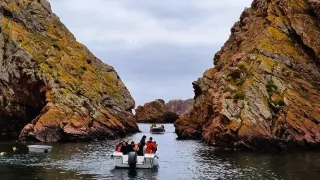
(150, 146)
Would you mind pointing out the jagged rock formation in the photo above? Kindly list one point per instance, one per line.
(263, 92)
(53, 82)
(181, 107)
(155, 112)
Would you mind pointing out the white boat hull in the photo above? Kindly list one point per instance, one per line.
(39, 148)
(148, 161)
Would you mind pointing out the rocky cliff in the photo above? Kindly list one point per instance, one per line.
(263, 92)
(155, 112)
(181, 107)
(52, 84)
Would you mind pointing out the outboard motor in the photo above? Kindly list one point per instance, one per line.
(132, 160)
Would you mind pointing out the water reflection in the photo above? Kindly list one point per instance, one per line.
(11, 172)
(248, 165)
(139, 174)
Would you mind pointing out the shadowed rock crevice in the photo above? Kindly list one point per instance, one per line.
(22, 96)
(5, 12)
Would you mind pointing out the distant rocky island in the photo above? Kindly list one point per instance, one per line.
(155, 112)
(52, 88)
(159, 111)
(180, 107)
(263, 92)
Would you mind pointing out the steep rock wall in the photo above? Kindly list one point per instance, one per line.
(53, 82)
(263, 93)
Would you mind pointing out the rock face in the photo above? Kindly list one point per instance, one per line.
(53, 84)
(263, 93)
(155, 112)
(181, 107)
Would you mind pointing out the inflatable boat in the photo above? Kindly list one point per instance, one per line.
(157, 130)
(148, 161)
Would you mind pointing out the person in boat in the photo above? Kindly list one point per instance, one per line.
(136, 147)
(144, 150)
(141, 145)
(150, 146)
(118, 147)
(132, 154)
(155, 147)
(124, 148)
(143, 140)
(131, 147)
(162, 126)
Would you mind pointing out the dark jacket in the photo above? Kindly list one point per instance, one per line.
(124, 150)
(142, 144)
(130, 148)
(140, 151)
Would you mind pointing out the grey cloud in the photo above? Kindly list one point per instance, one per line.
(174, 9)
(160, 70)
(158, 47)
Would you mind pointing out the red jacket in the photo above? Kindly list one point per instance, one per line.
(150, 146)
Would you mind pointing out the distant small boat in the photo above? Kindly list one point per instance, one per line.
(39, 148)
(157, 130)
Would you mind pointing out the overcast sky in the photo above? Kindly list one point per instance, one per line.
(158, 47)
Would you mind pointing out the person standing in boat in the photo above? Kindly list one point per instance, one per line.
(141, 145)
(150, 146)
